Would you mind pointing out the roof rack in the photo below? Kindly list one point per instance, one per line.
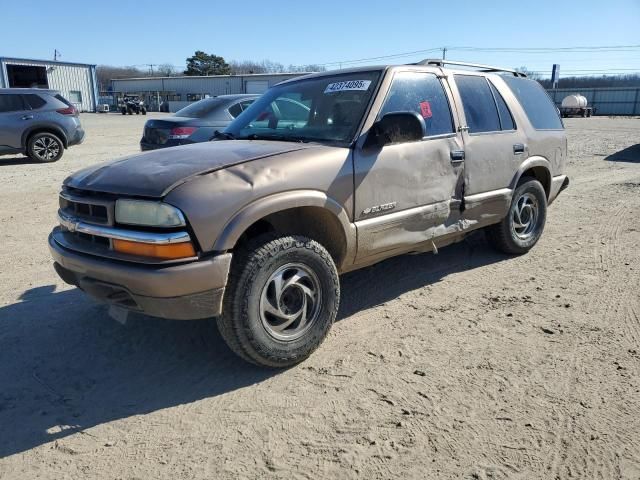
(485, 68)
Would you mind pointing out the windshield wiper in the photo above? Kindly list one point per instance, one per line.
(222, 135)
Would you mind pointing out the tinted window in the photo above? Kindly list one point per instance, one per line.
(246, 104)
(541, 111)
(208, 107)
(34, 101)
(235, 110)
(11, 103)
(506, 120)
(479, 106)
(421, 93)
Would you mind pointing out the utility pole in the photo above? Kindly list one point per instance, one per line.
(444, 53)
(151, 65)
(56, 54)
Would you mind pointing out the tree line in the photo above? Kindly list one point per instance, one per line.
(202, 63)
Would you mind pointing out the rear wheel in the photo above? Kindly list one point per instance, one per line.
(281, 301)
(45, 147)
(521, 229)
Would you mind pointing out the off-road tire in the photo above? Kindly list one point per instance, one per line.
(45, 147)
(502, 236)
(241, 324)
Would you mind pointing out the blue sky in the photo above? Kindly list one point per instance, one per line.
(299, 32)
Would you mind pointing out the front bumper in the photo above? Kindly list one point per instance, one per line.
(183, 292)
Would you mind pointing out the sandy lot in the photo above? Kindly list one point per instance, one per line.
(467, 364)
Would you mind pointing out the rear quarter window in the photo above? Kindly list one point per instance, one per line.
(541, 111)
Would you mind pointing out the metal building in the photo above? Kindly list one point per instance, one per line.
(605, 100)
(75, 81)
(180, 91)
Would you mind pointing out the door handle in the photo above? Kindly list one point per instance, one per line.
(518, 148)
(457, 156)
(27, 117)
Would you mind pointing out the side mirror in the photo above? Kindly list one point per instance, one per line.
(396, 127)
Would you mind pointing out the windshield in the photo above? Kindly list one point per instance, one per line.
(323, 109)
(200, 109)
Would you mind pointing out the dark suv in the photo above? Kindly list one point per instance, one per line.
(38, 123)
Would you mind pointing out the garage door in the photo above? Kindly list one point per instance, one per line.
(256, 86)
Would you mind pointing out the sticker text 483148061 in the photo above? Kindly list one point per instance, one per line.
(349, 85)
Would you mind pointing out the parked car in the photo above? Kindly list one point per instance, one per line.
(255, 229)
(38, 123)
(194, 123)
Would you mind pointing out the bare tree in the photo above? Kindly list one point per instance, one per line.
(167, 70)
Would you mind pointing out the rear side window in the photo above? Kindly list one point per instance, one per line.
(541, 111)
(11, 103)
(235, 110)
(506, 120)
(479, 106)
(423, 94)
(34, 101)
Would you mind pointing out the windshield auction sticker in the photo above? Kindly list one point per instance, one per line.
(350, 85)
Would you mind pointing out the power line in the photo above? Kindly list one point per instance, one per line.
(592, 49)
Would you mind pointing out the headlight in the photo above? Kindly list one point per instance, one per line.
(149, 214)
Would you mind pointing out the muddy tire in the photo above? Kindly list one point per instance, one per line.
(45, 147)
(281, 300)
(521, 229)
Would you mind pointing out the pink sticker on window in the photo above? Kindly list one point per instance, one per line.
(425, 109)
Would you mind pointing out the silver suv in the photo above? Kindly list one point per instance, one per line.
(38, 123)
(367, 163)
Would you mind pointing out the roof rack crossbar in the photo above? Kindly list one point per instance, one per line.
(485, 68)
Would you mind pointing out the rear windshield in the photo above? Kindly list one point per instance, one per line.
(541, 111)
(203, 108)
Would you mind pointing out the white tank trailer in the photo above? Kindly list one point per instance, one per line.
(575, 106)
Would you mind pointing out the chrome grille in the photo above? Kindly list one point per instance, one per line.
(87, 208)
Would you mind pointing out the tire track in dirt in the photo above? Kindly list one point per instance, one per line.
(609, 301)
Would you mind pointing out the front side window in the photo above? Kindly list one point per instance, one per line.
(479, 106)
(541, 111)
(328, 108)
(11, 103)
(421, 93)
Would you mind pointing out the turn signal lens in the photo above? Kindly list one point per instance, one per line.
(169, 251)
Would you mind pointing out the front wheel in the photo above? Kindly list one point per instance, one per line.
(281, 301)
(521, 229)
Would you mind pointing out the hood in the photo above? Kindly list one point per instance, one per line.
(156, 173)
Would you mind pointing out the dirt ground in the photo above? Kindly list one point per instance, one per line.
(468, 364)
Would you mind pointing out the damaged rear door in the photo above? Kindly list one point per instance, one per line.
(409, 193)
